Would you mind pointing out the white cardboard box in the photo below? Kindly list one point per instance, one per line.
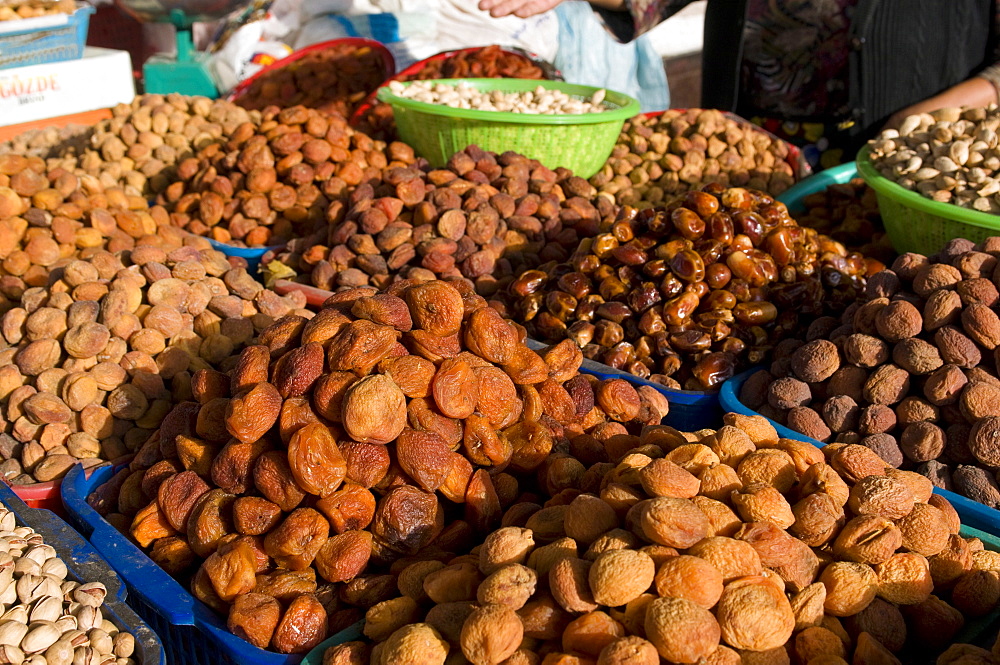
(100, 79)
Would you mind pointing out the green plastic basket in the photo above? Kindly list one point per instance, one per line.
(915, 223)
(581, 142)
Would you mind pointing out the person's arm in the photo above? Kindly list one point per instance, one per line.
(625, 19)
(981, 90)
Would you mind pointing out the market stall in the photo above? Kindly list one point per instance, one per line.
(467, 363)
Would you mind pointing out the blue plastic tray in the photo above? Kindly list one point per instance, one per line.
(85, 565)
(973, 513)
(689, 409)
(192, 633)
(793, 196)
(253, 255)
(52, 43)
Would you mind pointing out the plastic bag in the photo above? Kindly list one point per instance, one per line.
(250, 48)
(589, 55)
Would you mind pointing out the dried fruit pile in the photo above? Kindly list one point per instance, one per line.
(328, 448)
(720, 546)
(93, 362)
(659, 157)
(334, 80)
(483, 216)
(486, 62)
(139, 147)
(910, 372)
(142, 144)
(284, 178)
(686, 294)
(957, 654)
(47, 141)
(849, 213)
(48, 216)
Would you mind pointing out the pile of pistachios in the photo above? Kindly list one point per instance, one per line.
(47, 618)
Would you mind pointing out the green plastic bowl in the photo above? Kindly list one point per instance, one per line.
(915, 223)
(581, 143)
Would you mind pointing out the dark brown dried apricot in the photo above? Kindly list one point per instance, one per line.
(255, 515)
(274, 479)
(210, 521)
(177, 496)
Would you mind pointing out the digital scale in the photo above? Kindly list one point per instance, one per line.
(187, 72)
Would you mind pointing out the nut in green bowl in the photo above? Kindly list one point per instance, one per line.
(579, 141)
(918, 224)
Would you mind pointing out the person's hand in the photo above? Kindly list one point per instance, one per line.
(519, 8)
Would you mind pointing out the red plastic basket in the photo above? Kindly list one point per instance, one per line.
(41, 495)
(387, 60)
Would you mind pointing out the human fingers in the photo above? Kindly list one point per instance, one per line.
(519, 8)
(534, 7)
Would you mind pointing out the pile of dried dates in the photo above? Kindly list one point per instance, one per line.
(688, 293)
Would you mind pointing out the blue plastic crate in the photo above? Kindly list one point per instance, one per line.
(85, 565)
(52, 43)
(794, 197)
(689, 409)
(191, 632)
(973, 513)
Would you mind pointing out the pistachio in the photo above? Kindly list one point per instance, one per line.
(11, 654)
(17, 613)
(55, 567)
(12, 632)
(91, 593)
(124, 645)
(945, 157)
(26, 566)
(87, 617)
(85, 656)
(60, 653)
(67, 623)
(101, 641)
(46, 609)
(41, 635)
